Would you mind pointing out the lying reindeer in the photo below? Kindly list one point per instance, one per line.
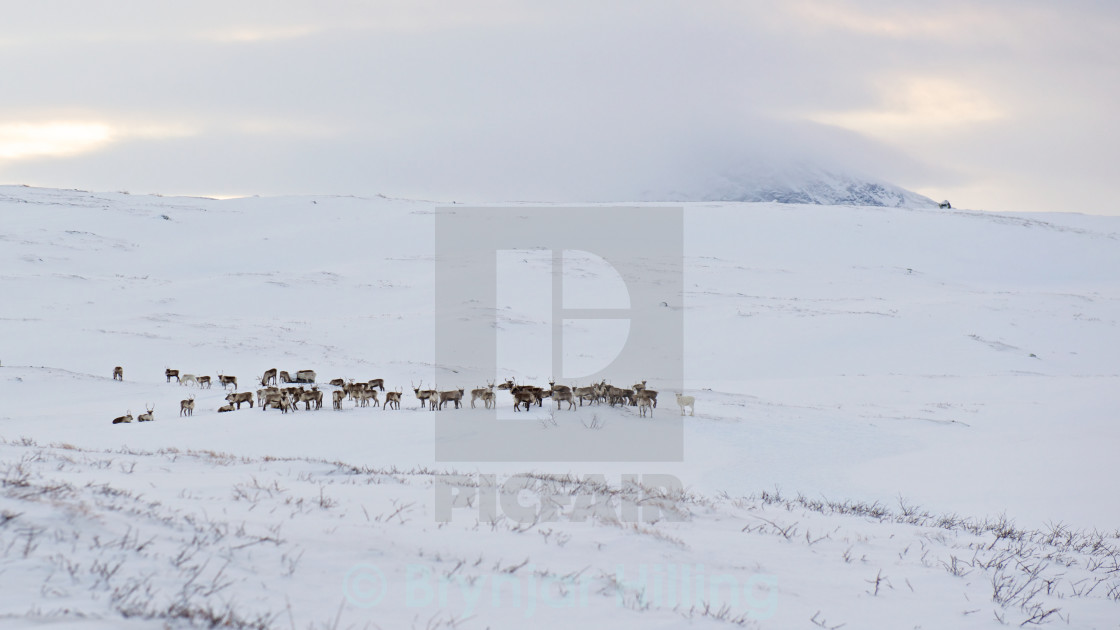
(146, 417)
(125, 418)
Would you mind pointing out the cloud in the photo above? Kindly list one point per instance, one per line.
(910, 106)
(585, 100)
(30, 140)
(26, 140)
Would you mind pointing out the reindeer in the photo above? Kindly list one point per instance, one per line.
(641, 388)
(186, 407)
(118, 373)
(523, 397)
(508, 385)
(481, 392)
(123, 419)
(558, 388)
(168, 372)
(539, 394)
(392, 399)
(425, 396)
(302, 376)
(263, 393)
(337, 396)
(586, 393)
(645, 403)
(242, 397)
(203, 380)
(147, 416)
(560, 396)
(227, 380)
(687, 401)
(454, 396)
(225, 408)
(378, 383)
(338, 382)
(365, 395)
(616, 396)
(187, 379)
(488, 399)
(313, 396)
(277, 400)
(269, 375)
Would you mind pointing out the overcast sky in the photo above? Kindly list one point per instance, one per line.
(1000, 105)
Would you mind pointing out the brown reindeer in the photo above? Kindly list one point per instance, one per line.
(563, 396)
(203, 380)
(641, 389)
(123, 419)
(268, 376)
(425, 396)
(227, 380)
(186, 407)
(276, 400)
(378, 383)
(225, 408)
(118, 373)
(169, 373)
(392, 399)
(454, 396)
(480, 394)
(242, 397)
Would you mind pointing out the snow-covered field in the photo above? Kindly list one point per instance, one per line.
(904, 418)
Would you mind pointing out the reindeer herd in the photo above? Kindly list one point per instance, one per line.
(366, 394)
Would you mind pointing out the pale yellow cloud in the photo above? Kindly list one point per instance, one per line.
(256, 34)
(24, 140)
(917, 106)
(886, 22)
(61, 138)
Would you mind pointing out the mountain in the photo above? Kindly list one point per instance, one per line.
(800, 183)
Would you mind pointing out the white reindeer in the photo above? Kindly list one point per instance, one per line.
(146, 417)
(188, 379)
(687, 401)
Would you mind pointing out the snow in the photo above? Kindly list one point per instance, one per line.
(849, 364)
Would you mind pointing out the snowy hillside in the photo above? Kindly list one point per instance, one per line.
(796, 183)
(905, 417)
